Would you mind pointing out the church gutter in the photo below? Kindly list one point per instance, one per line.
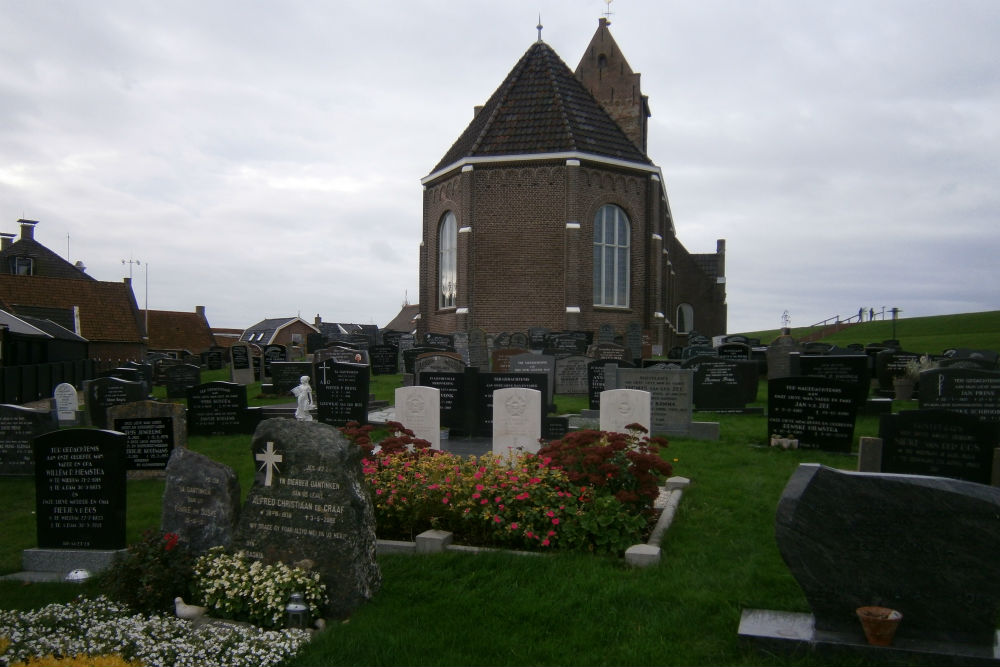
(526, 157)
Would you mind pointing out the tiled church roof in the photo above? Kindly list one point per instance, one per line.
(541, 107)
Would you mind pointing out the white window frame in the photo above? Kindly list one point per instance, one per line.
(447, 261)
(612, 257)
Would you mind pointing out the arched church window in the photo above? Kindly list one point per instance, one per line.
(611, 257)
(447, 261)
(685, 318)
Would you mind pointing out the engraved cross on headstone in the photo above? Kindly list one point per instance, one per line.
(269, 459)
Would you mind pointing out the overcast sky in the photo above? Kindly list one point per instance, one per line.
(263, 158)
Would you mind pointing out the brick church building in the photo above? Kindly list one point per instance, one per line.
(547, 211)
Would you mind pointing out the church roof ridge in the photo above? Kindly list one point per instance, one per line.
(542, 107)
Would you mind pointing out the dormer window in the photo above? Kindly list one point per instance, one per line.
(21, 266)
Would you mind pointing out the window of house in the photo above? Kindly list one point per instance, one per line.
(447, 261)
(611, 257)
(685, 318)
(21, 266)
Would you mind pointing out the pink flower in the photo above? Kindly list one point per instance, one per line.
(555, 522)
(545, 542)
(513, 526)
(478, 475)
(497, 519)
(483, 501)
(550, 514)
(445, 500)
(522, 496)
(479, 487)
(433, 487)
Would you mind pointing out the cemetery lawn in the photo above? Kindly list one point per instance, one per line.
(719, 557)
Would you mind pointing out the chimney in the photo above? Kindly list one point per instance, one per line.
(476, 109)
(27, 229)
(200, 310)
(6, 238)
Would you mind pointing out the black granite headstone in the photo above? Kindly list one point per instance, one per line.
(385, 359)
(18, 426)
(818, 412)
(217, 408)
(850, 368)
(719, 386)
(309, 502)
(938, 442)
(452, 392)
(925, 546)
(102, 393)
(80, 489)
(341, 392)
(490, 382)
(180, 378)
(965, 390)
(286, 375)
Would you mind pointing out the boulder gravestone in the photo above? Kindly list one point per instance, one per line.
(80, 489)
(18, 427)
(925, 546)
(309, 502)
(201, 501)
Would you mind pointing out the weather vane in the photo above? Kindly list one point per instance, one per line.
(607, 12)
(539, 27)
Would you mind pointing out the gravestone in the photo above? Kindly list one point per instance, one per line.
(410, 356)
(925, 546)
(241, 371)
(18, 427)
(890, 364)
(80, 489)
(385, 359)
(633, 340)
(67, 403)
(201, 501)
(605, 334)
(218, 408)
(671, 396)
(502, 357)
(286, 375)
(721, 385)
(438, 340)
(438, 362)
(419, 409)
(519, 339)
(595, 380)
(537, 337)
(517, 420)
(609, 352)
(152, 431)
(103, 393)
(213, 359)
(850, 368)
(537, 363)
(554, 428)
(452, 403)
(571, 375)
(180, 378)
(778, 356)
(341, 392)
(309, 501)
(965, 390)
(271, 354)
(461, 345)
(818, 412)
(479, 356)
(344, 354)
(938, 442)
(622, 407)
(733, 351)
(488, 383)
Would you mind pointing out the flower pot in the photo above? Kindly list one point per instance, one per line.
(903, 388)
(879, 624)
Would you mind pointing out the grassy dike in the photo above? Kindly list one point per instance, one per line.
(719, 557)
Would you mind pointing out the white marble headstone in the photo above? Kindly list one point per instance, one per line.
(517, 420)
(419, 409)
(621, 407)
(67, 402)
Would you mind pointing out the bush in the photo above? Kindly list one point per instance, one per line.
(152, 573)
(625, 465)
(235, 587)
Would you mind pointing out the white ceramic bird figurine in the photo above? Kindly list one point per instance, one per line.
(188, 611)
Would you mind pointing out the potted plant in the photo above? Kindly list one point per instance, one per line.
(905, 384)
(879, 624)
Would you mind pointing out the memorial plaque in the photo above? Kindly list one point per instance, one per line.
(309, 501)
(818, 412)
(555, 428)
(18, 427)
(104, 393)
(938, 442)
(502, 357)
(490, 382)
(342, 354)
(925, 546)
(217, 408)
(965, 390)
(385, 359)
(201, 501)
(671, 396)
(850, 368)
(719, 386)
(442, 341)
(285, 375)
(609, 352)
(452, 393)
(80, 489)
(242, 368)
(571, 375)
(180, 378)
(341, 392)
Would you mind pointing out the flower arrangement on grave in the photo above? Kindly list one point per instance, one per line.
(593, 492)
(152, 573)
(233, 586)
(914, 367)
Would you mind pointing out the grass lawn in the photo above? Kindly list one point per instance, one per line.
(719, 557)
